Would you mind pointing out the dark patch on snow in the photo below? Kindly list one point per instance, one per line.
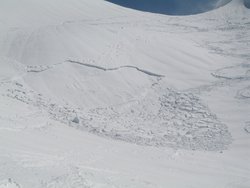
(247, 127)
(76, 120)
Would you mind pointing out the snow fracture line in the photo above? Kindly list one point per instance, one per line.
(117, 68)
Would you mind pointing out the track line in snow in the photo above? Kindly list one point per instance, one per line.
(244, 93)
(238, 72)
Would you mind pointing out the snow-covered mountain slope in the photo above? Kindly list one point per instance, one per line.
(96, 95)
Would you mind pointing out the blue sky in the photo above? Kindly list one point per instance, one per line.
(173, 7)
(247, 3)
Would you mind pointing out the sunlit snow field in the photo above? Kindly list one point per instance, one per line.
(95, 94)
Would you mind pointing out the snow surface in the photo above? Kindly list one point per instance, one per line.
(97, 95)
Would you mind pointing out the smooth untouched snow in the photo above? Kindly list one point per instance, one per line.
(97, 95)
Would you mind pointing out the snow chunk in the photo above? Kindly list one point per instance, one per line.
(76, 120)
(247, 127)
(9, 184)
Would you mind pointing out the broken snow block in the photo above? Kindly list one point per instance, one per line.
(76, 120)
